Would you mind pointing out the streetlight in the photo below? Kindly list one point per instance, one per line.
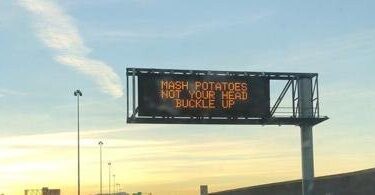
(109, 178)
(101, 172)
(78, 93)
(114, 183)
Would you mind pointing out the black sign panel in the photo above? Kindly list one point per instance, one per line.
(203, 96)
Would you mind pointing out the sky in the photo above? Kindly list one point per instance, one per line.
(49, 48)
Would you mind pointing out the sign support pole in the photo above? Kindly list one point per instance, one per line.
(306, 111)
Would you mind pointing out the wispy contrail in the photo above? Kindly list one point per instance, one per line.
(58, 32)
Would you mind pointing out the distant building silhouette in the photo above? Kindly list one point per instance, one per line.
(142, 193)
(125, 193)
(114, 193)
(43, 191)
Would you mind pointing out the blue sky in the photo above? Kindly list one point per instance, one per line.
(50, 48)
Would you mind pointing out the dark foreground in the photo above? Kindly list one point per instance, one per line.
(353, 183)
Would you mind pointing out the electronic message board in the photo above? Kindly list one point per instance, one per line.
(203, 96)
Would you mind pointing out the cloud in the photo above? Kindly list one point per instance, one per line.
(140, 162)
(58, 32)
(321, 53)
(8, 92)
(167, 32)
(333, 47)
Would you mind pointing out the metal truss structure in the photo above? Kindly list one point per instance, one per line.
(293, 117)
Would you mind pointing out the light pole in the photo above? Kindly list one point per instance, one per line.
(101, 171)
(114, 183)
(109, 178)
(78, 93)
(118, 188)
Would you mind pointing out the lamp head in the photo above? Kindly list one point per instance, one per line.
(100, 143)
(77, 92)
